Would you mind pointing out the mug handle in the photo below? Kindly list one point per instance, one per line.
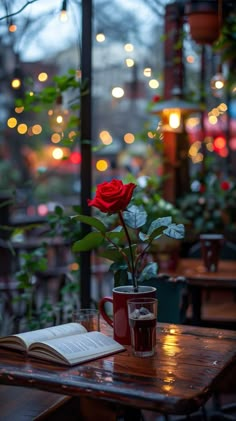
(102, 303)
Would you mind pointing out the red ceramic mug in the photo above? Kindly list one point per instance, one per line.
(120, 322)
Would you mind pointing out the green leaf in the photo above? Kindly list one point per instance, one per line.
(143, 237)
(160, 222)
(175, 231)
(89, 242)
(93, 222)
(150, 271)
(112, 254)
(115, 236)
(134, 218)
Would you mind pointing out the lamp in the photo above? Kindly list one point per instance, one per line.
(173, 110)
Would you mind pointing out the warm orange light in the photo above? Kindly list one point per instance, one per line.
(22, 128)
(129, 47)
(72, 135)
(55, 138)
(43, 76)
(57, 153)
(147, 72)
(74, 266)
(19, 110)
(63, 16)
(12, 28)
(102, 165)
(129, 138)
(129, 62)
(190, 59)
(154, 84)
(37, 129)
(171, 120)
(219, 142)
(105, 137)
(12, 122)
(174, 119)
(16, 83)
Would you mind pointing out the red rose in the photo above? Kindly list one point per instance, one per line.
(113, 196)
(225, 185)
(156, 98)
(202, 188)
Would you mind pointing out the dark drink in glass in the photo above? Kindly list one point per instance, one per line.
(143, 335)
(142, 323)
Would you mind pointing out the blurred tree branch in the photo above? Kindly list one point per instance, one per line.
(18, 11)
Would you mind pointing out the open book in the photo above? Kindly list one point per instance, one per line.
(67, 344)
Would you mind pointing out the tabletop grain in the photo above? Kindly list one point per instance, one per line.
(189, 365)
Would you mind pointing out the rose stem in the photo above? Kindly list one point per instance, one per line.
(131, 254)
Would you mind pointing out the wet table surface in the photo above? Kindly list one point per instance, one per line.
(196, 273)
(198, 279)
(189, 365)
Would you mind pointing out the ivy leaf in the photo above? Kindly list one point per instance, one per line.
(89, 242)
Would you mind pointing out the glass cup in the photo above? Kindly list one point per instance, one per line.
(142, 313)
(88, 317)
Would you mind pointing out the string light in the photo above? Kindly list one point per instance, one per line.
(12, 27)
(217, 84)
(63, 13)
(100, 37)
(58, 117)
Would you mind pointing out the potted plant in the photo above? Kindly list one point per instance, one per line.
(125, 243)
(204, 21)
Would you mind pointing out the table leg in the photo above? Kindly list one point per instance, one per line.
(196, 293)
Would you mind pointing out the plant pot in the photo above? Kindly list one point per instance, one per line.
(120, 322)
(203, 19)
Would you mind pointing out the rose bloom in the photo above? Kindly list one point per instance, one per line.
(202, 188)
(225, 185)
(156, 98)
(113, 196)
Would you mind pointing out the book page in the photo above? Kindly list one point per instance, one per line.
(77, 348)
(43, 334)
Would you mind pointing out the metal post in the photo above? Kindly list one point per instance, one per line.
(86, 154)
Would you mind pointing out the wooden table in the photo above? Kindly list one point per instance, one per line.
(190, 364)
(198, 279)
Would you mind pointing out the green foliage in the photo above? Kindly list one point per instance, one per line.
(128, 265)
(211, 203)
(31, 262)
(226, 46)
(149, 197)
(47, 98)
